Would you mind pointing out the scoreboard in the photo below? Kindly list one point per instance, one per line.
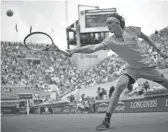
(94, 20)
(89, 29)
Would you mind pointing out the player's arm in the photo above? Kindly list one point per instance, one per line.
(152, 44)
(105, 44)
(89, 48)
(149, 41)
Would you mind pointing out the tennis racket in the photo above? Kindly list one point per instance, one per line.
(41, 41)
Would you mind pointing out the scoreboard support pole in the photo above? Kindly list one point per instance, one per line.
(78, 35)
(27, 108)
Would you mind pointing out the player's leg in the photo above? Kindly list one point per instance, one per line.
(163, 82)
(155, 75)
(121, 85)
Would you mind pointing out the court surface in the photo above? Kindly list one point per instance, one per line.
(132, 122)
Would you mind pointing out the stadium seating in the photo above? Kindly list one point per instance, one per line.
(22, 67)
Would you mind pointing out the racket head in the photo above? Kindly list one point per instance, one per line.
(38, 41)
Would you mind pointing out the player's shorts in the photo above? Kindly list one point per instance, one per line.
(153, 74)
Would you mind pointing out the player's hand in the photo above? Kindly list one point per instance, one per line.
(69, 52)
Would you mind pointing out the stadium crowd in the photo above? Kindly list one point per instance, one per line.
(23, 67)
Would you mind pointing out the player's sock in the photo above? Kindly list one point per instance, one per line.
(108, 117)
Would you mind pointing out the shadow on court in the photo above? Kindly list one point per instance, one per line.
(136, 122)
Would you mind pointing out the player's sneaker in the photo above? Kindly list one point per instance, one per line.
(104, 125)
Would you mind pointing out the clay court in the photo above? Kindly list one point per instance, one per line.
(132, 122)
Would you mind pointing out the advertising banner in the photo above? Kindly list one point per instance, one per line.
(101, 107)
(151, 104)
(157, 104)
(25, 96)
(8, 110)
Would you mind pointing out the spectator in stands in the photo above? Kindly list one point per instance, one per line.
(104, 92)
(17, 108)
(101, 94)
(140, 89)
(98, 93)
(54, 90)
(146, 86)
(86, 105)
(72, 98)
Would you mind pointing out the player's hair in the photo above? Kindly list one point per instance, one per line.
(119, 17)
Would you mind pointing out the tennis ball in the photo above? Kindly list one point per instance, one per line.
(9, 13)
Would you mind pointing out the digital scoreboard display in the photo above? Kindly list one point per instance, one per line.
(95, 20)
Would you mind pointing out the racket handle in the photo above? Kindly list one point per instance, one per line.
(65, 53)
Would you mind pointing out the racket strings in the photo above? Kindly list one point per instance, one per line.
(38, 41)
(39, 46)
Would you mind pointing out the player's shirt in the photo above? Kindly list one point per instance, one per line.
(130, 50)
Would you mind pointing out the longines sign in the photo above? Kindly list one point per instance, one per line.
(157, 104)
(151, 104)
(144, 104)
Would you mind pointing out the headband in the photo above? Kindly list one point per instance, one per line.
(114, 19)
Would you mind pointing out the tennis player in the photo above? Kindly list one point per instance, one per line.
(125, 42)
